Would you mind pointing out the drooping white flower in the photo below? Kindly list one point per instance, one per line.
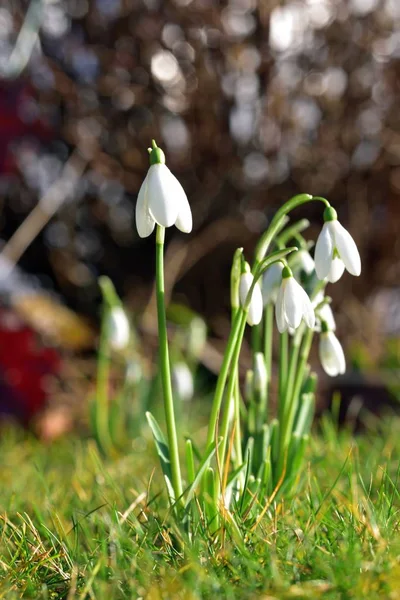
(292, 304)
(161, 199)
(255, 310)
(182, 381)
(118, 328)
(331, 354)
(324, 313)
(305, 261)
(270, 283)
(335, 250)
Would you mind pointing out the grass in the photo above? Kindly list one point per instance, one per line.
(74, 526)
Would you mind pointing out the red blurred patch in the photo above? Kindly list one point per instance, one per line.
(25, 368)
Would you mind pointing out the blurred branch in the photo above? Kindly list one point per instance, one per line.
(26, 40)
(45, 209)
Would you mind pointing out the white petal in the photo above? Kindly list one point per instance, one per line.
(347, 249)
(306, 262)
(326, 314)
(254, 315)
(336, 270)
(246, 279)
(331, 354)
(308, 311)
(119, 330)
(271, 281)
(293, 303)
(184, 222)
(182, 381)
(164, 193)
(279, 314)
(144, 221)
(323, 252)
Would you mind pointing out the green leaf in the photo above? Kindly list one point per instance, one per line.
(203, 466)
(162, 451)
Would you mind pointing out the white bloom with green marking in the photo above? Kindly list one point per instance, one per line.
(335, 250)
(270, 283)
(162, 199)
(292, 305)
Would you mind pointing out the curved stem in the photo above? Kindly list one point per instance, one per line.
(165, 366)
(277, 222)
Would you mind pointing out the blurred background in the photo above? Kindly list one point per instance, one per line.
(253, 102)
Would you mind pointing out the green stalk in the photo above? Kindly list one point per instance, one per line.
(223, 374)
(283, 365)
(292, 369)
(102, 386)
(165, 366)
(268, 336)
(292, 403)
(230, 393)
(279, 221)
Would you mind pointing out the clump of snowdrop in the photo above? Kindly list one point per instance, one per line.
(331, 353)
(162, 199)
(292, 305)
(335, 250)
(118, 328)
(255, 310)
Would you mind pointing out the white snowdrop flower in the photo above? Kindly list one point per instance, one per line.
(182, 381)
(324, 312)
(118, 328)
(255, 310)
(260, 378)
(161, 199)
(305, 261)
(270, 283)
(335, 250)
(331, 353)
(292, 304)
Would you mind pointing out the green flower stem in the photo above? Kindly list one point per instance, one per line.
(292, 403)
(256, 338)
(230, 392)
(238, 435)
(292, 369)
(165, 366)
(223, 375)
(278, 222)
(283, 366)
(268, 337)
(102, 386)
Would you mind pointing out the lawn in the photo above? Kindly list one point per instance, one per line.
(75, 526)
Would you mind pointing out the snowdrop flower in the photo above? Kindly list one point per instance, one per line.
(335, 250)
(255, 310)
(304, 261)
(118, 328)
(270, 283)
(324, 312)
(292, 304)
(331, 353)
(161, 198)
(182, 381)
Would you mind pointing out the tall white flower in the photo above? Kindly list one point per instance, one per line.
(161, 198)
(270, 283)
(335, 250)
(255, 309)
(118, 328)
(331, 353)
(292, 304)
